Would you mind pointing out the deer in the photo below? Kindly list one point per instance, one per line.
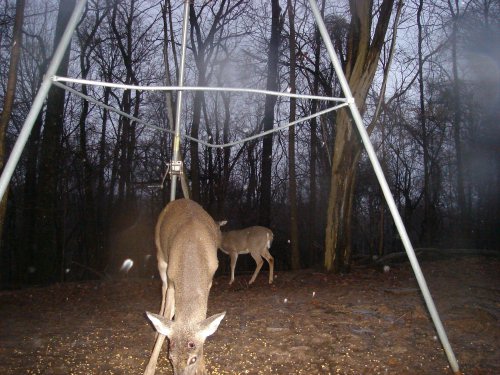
(255, 240)
(186, 239)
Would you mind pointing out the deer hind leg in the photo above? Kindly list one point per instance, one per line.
(267, 256)
(258, 259)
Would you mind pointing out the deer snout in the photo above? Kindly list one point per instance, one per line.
(194, 366)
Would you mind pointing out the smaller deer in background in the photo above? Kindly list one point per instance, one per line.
(255, 240)
(187, 239)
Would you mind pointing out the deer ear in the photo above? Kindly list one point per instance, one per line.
(210, 325)
(162, 325)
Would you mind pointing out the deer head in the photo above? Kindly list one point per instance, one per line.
(186, 341)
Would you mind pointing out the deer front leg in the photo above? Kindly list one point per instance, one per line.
(234, 258)
(168, 305)
(153, 360)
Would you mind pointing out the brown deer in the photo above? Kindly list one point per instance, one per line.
(255, 240)
(186, 239)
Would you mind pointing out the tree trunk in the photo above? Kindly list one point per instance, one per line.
(49, 220)
(126, 144)
(199, 51)
(429, 222)
(267, 142)
(338, 233)
(361, 64)
(252, 175)
(463, 212)
(314, 255)
(30, 211)
(193, 146)
(102, 209)
(17, 39)
(294, 230)
(224, 182)
(89, 217)
(88, 231)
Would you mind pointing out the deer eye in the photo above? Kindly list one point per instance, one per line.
(192, 360)
(191, 345)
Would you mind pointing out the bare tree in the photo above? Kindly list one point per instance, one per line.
(91, 213)
(294, 230)
(17, 42)
(204, 47)
(429, 224)
(49, 223)
(361, 64)
(267, 142)
(454, 9)
(313, 191)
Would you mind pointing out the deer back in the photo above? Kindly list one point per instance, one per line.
(187, 239)
(245, 240)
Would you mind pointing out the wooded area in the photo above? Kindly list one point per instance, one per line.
(85, 195)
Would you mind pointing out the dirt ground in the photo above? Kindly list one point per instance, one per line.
(307, 322)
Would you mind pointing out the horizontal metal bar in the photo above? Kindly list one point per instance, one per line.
(194, 88)
(185, 136)
(105, 106)
(279, 128)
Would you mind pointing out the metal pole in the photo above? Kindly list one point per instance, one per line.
(24, 134)
(385, 189)
(177, 139)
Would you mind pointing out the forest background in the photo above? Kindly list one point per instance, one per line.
(85, 195)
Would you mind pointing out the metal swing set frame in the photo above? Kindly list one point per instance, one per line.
(50, 79)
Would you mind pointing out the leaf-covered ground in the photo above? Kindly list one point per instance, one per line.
(307, 322)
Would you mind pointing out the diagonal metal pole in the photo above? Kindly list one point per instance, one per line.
(37, 105)
(385, 189)
(176, 155)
